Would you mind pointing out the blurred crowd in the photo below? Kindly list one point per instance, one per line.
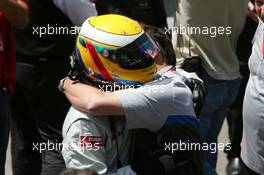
(222, 42)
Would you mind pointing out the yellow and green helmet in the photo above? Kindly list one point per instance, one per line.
(115, 48)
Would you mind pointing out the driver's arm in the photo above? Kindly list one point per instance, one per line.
(90, 99)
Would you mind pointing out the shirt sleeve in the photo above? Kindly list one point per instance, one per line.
(84, 147)
(149, 106)
(77, 10)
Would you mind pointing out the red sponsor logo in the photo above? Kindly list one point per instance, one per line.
(91, 141)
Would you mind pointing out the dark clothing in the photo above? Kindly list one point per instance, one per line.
(4, 126)
(7, 83)
(24, 133)
(52, 44)
(187, 161)
(52, 162)
(151, 12)
(39, 111)
(7, 55)
(37, 88)
(38, 107)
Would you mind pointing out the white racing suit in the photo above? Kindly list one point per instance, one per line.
(89, 143)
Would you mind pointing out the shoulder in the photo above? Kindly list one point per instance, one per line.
(168, 85)
(82, 120)
(172, 82)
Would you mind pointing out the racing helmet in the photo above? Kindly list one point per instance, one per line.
(115, 48)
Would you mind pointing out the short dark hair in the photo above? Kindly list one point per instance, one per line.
(164, 40)
(86, 171)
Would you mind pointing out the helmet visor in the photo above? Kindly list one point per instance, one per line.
(139, 54)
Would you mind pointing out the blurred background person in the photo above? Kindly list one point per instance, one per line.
(234, 114)
(207, 34)
(252, 147)
(38, 109)
(14, 12)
